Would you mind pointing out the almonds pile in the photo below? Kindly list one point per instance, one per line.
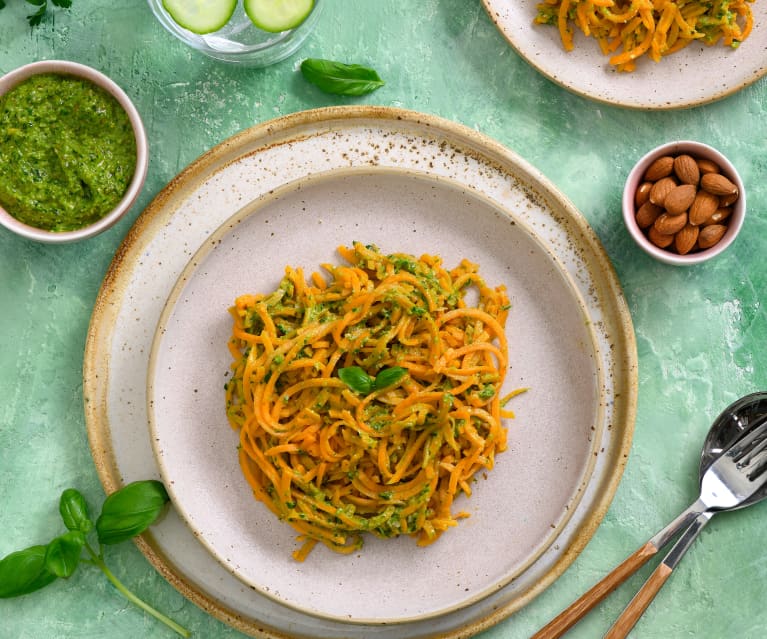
(683, 204)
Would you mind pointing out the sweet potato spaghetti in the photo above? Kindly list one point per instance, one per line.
(629, 29)
(367, 400)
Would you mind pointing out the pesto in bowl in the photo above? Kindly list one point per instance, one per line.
(67, 152)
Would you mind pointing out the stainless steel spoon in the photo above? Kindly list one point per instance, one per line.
(737, 422)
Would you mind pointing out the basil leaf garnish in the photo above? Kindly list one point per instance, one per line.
(131, 510)
(63, 553)
(356, 379)
(389, 376)
(23, 572)
(74, 511)
(360, 382)
(339, 78)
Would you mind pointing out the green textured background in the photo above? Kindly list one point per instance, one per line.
(700, 331)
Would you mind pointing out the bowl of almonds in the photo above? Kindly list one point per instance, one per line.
(684, 203)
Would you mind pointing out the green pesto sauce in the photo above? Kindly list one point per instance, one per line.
(67, 152)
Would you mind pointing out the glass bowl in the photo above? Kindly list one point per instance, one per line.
(240, 41)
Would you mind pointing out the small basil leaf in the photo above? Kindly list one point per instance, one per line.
(356, 379)
(23, 572)
(389, 376)
(63, 554)
(74, 511)
(339, 78)
(130, 511)
(36, 18)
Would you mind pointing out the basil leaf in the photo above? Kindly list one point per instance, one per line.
(356, 379)
(389, 376)
(63, 553)
(36, 18)
(130, 511)
(339, 78)
(74, 511)
(23, 572)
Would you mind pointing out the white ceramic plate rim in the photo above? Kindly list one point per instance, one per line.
(118, 339)
(678, 81)
(196, 515)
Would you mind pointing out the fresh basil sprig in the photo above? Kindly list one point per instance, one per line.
(360, 382)
(339, 78)
(42, 8)
(125, 513)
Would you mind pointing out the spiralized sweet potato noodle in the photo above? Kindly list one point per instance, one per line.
(337, 461)
(627, 30)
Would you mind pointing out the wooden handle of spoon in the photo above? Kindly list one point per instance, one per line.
(578, 609)
(630, 615)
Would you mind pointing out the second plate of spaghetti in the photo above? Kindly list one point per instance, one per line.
(651, 56)
(342, 386)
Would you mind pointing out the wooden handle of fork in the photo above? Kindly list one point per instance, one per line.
(623, 625)
(578, 609)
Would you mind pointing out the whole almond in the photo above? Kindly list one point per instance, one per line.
(717, 184)
(660, 240)
(719, 216)
(659, 168)
(710, 235)
(647, 214)
(707, 166)
(686, 169)
(669, 224)
(684, 240)
(703, 207)
(679, 199)
(727, 200)
(642, 194)
(660, 189)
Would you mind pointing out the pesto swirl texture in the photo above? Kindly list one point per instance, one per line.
(67, 152)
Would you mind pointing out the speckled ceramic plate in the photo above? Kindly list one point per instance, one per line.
(522, 504)
(408, 182)
(696, 75)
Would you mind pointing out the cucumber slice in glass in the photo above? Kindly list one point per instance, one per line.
(278, 15)
(200, 16)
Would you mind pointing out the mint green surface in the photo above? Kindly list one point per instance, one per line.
(701, 331)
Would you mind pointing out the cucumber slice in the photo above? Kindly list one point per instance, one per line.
(200, 16)
(278, 15)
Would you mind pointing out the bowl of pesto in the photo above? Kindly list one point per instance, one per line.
(73, 151)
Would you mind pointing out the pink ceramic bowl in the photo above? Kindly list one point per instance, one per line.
(13, 78)
(635, 178)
